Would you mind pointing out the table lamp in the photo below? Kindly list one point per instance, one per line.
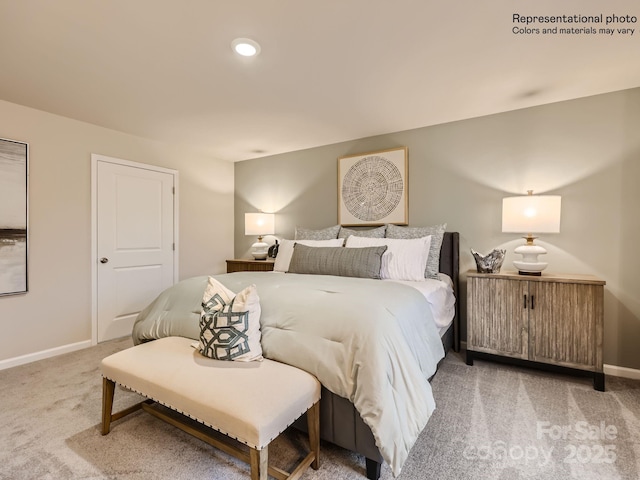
(259, 224)
(531, 214)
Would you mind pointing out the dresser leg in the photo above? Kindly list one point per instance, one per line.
(598, 381)
(469, 358)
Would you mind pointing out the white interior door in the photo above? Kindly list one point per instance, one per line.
(134, 254)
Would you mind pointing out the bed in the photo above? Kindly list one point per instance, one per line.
(354, 359)
(341, 423)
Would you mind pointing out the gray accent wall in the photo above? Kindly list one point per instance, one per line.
(586, 150)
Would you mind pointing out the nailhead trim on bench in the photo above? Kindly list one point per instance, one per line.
(202, 421)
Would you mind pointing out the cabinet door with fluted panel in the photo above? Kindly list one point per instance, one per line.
(497, 313)
(565, 324)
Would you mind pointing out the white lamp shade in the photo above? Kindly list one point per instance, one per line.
(259, 224)
(531, 214)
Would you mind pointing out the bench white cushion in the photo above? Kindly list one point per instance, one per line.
(251, 402)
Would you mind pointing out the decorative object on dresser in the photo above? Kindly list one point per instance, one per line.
(531, 214)
(553, 322)
(259, 224)
(372, 188)
(273, 250)
(489, 263)
(249, 265)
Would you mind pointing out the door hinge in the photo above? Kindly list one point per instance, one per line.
(173, 246)
(173, 190)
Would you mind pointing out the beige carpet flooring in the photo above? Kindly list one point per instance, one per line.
(492, 422)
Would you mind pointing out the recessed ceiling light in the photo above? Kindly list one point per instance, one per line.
(245, 47)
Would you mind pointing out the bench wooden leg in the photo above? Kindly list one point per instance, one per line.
(108, 389)
(259, 461)
(313, 425)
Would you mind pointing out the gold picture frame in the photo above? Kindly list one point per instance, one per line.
(372, 188)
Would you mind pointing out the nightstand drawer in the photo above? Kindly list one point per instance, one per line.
(248, 265)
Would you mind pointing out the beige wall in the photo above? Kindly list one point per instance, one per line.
(587, 150)
(57, 309)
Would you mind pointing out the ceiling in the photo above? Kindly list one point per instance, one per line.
(329, 71)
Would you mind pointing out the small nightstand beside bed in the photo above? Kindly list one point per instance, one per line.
(249, 265)
(372, 344)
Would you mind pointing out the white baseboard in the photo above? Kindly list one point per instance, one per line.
(613, 370)
(52, 352)
(623, 372)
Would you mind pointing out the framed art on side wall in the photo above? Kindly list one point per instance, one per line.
(372, 188)
(14, 217)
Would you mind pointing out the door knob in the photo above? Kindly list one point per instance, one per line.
(104, 260)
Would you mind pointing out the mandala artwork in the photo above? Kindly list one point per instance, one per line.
(372, 188)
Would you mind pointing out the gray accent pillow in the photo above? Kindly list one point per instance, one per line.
(437, 234)
(369, 232)
(328, 233)
(339, 261)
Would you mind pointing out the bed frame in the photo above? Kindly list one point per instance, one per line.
(340, 422)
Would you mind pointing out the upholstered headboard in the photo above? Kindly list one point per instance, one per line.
(450, 264)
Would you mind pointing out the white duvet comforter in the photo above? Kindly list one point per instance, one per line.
(372, 342)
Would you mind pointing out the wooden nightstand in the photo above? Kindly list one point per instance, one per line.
(249, 265)
(547, 321)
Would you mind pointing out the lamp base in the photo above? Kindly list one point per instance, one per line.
(530, 274)
(529, 265)
(260, 250)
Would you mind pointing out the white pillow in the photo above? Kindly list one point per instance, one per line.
(230, 323)
(405, 259)
(285, 250)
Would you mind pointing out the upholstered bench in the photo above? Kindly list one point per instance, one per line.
(252, 402)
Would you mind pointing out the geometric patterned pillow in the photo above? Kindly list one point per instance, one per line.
(230, 323)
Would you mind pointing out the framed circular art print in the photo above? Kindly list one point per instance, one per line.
(372, 188)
